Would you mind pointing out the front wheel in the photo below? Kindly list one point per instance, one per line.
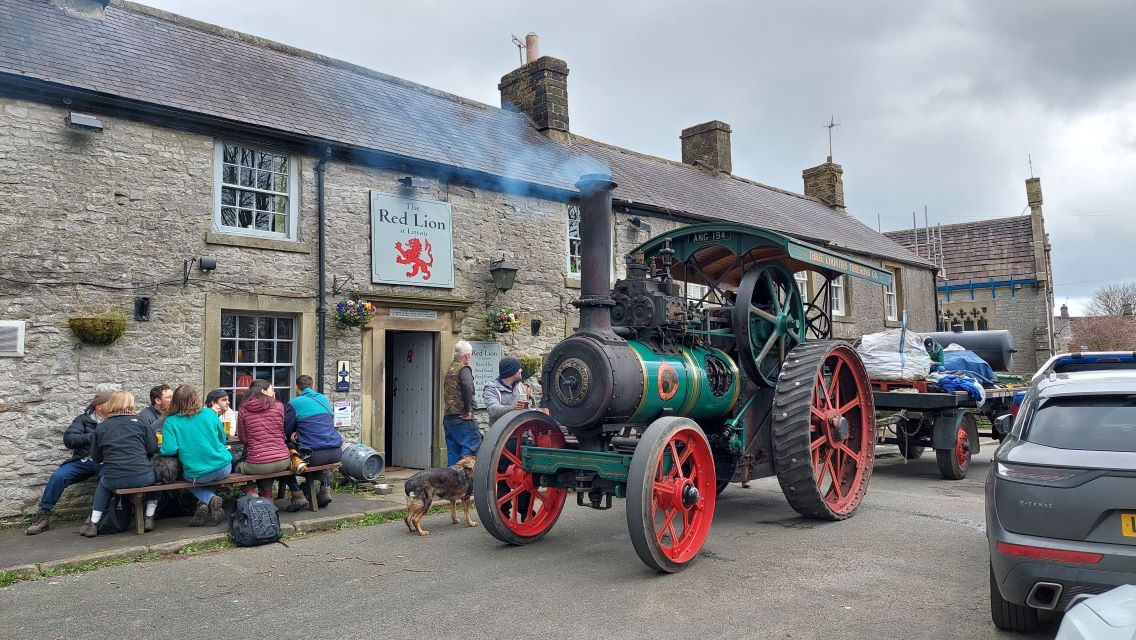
(671, 490)
(904, 439)
(512, 505)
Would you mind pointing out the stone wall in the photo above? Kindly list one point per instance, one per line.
(1024, 314)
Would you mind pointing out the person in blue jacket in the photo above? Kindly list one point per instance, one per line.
(309, 427)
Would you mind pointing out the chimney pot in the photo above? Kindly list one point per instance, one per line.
(532, 47)
(707, 145)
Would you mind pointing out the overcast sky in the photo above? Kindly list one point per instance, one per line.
(939, 102)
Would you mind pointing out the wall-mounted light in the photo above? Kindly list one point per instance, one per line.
(84, 121)
(641, 224)
(535, 326)
(141, 309)
(503, 274)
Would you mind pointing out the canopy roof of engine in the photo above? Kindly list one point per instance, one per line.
(719, 253)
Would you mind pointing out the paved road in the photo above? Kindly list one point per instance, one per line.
(910, 564)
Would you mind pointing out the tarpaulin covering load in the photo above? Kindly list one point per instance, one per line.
(970, 362)
(896, 354)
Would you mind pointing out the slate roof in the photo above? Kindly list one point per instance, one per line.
(985, 250)
(162, 59)
(678, 187)
(159, 59)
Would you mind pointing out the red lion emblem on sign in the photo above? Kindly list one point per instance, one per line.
(412, 255)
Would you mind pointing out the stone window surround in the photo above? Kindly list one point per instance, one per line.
(293, 195)
(304, 337)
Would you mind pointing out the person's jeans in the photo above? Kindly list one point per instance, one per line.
(66, 475)
(205, 494)
(462, 438)
(106, 487)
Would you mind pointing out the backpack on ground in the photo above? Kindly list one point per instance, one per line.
(118, 517)
(254, 521)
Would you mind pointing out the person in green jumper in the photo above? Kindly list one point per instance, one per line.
(195, 435)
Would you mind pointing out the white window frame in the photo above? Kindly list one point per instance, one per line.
(836, 289)
(568, 241)
(218, 185)
(891, 297)
(233, 388)
(802, 280)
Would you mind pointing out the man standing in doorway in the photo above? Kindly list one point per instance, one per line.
(462, 436)
(160, 398)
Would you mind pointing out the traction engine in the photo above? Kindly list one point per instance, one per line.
(704, 366)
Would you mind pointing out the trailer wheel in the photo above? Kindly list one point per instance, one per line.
(670, 494)
(510, 503)
(824, 430)
(955, 462)
(904, 438)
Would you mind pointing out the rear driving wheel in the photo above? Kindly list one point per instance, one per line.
(512, 505)
(824, 439)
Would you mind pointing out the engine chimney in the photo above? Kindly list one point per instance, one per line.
(597, 219)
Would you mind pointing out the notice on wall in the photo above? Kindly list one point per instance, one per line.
(486, 358)
(421, 314)
(411, 241)
(341, 413)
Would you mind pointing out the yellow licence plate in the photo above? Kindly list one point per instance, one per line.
(1128, 524)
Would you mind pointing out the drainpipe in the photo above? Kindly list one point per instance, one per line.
(321, 297)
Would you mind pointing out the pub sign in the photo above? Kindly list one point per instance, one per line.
(411, 241)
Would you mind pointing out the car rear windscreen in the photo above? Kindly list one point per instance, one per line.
(1091, 423)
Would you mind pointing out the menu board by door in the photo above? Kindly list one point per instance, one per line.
(486, 358)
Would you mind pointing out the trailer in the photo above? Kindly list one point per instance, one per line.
(914, 418)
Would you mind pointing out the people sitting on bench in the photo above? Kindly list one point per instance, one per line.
(195, 435)
(77, 468)
(260, 427)
(309, 425)
(123, 444)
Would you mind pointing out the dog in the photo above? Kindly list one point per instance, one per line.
(445, 483)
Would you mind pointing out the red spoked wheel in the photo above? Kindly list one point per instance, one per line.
(955, 462)
(671, 490)
(512, 506)
(824, 430)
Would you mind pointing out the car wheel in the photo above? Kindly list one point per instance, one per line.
(1007, 615)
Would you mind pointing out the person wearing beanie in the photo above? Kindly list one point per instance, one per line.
(218, 400)
(78, 468)
(506, 392)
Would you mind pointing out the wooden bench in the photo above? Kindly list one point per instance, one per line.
(136, 494)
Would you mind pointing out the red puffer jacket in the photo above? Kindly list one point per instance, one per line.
(260, 426)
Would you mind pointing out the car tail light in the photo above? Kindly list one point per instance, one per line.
(1041, 553)
(1028, 473)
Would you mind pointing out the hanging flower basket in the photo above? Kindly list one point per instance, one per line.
(501, 320)
(354, 313)
(530, 365)
(104, 328)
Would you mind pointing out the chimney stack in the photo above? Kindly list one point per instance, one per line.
(1126, 309)
(539, 89)
(1064, 312)
(826, 183)
(707, 146)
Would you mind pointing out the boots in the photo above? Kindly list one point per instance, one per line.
(89, 529)
(199, 516)
(324, 497)
(299, 502)
(216, 510)
(148, 523)
(42, 522)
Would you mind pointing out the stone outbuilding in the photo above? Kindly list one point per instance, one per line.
(996, 274)
(222, 210)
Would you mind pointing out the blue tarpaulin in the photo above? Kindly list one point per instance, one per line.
(969, 362)
(959, 383)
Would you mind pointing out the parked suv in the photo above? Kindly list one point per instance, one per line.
(1061, 494)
